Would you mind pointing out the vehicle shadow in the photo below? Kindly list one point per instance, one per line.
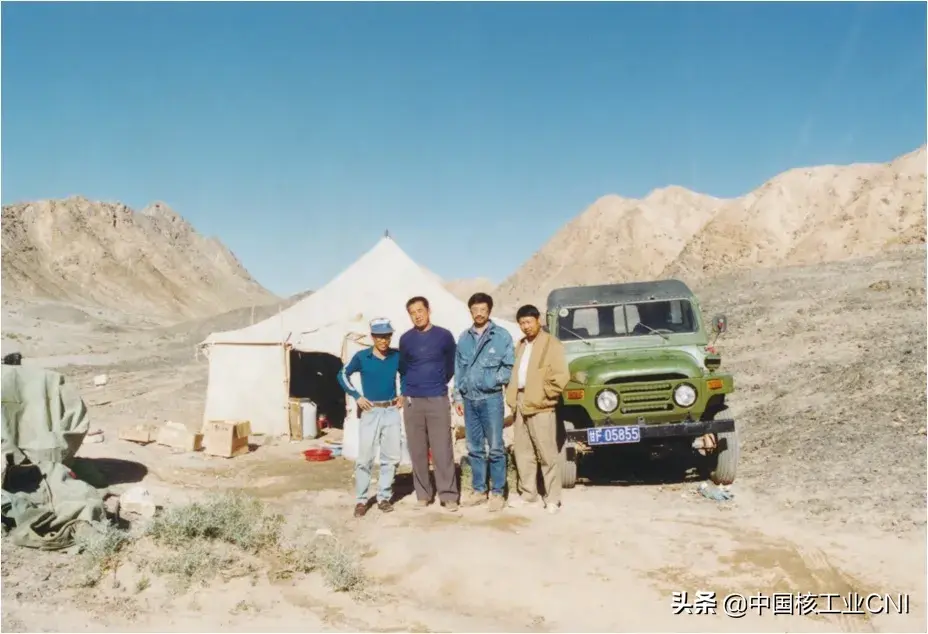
(623, 468)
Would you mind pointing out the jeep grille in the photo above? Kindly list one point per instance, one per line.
(640, 398)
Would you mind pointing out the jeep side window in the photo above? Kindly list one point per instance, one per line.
(618, 318)
(676, 312)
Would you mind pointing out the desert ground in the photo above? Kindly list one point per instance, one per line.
(830, 374)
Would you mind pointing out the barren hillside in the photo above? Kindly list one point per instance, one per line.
(802, 216)
(615, 239)
(811, 215)
(464, 288)
(105, 254)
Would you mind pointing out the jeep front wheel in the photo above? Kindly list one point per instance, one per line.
(568, 466)
(724, 460)
(568, 469)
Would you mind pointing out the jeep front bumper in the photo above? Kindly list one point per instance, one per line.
(660, 431)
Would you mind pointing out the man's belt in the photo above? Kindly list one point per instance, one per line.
(383, 403)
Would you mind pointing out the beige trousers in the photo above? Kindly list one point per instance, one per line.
(534, 446)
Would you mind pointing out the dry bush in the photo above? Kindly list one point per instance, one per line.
(202, 539)
(512, 476)
(339, 563)
(233, 517)
(100, 546)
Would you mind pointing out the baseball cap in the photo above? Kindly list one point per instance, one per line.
(381, 326)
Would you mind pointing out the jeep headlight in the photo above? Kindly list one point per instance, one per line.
(607, 401)
(684, 395)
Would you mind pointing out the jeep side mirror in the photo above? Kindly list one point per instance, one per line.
(719, 324)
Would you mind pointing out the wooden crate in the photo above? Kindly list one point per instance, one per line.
(226, 438)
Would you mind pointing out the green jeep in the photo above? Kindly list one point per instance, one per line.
(643, 375)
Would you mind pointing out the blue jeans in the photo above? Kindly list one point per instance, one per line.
(381, 425)
(483, 422)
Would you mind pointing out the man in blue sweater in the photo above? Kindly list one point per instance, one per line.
(483, 367)
(427, 365)
(380, 417)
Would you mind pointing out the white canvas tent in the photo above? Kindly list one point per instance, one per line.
(250, 368)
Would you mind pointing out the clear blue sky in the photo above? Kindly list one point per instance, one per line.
(298, 132)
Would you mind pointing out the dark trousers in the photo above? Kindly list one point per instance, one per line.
(428, 426)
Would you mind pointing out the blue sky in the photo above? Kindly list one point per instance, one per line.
(297, 133)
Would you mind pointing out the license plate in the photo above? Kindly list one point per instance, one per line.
(613, 435)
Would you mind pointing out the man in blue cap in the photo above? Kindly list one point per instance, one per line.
(380, 421)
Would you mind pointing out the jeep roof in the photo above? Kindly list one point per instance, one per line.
(618, 293)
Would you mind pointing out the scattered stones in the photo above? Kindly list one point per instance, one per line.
(137, 501)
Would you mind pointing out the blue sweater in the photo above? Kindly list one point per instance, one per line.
(378, 376)
(427, 361)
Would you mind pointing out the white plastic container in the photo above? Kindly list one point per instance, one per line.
(308, 412)
(352, 436)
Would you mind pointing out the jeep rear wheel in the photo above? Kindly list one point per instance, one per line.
(723, 463)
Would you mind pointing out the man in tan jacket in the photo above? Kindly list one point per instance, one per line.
(539, 376)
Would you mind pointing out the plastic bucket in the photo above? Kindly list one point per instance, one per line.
(308, 411)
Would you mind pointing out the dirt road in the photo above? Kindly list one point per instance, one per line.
(830, 499)
(610, 562)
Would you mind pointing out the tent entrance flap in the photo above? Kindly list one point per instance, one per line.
(313, 375)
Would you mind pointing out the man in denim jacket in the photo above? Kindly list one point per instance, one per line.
(482, 368)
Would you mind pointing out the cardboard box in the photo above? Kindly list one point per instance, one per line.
(295, 415)
(143, 433)
(226, 438)
(178, 436)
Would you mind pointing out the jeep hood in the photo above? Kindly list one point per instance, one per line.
(604, 367)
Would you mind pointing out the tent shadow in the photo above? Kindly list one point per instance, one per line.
(103, 472)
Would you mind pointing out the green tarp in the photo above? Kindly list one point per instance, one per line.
(44, 423)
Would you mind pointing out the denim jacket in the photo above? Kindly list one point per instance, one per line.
(482, 364)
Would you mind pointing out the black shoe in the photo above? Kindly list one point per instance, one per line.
(385, 506)
(360, 510)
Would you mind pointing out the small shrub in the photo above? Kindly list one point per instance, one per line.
(467, 476)
(340, 565)
(142, 584)
(233, 517)
(100, 547)
(204, 539)
(198, 561)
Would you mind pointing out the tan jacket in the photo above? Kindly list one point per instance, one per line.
(546, 378)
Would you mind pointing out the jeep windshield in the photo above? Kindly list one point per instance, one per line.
(625, 320)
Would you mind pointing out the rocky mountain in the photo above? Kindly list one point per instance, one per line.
(801, 216)
(105, 254)
(811, 215)
(464, 288)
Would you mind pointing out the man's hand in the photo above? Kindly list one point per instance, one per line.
(398, 402)
(459, 408)
(365, 404)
